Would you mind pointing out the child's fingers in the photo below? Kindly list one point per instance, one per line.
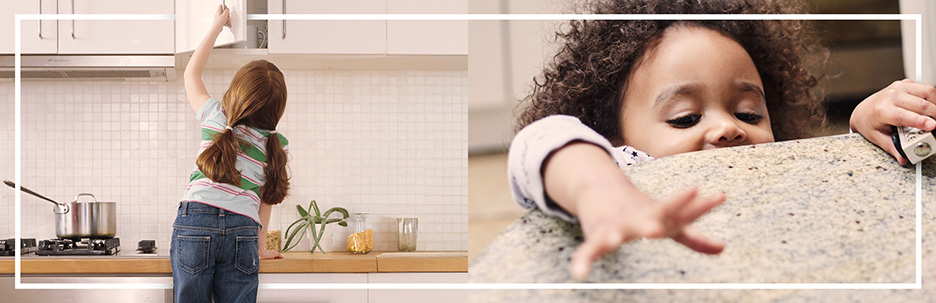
(901, 117)
(699, 207)
(916, 105)
(603, 241)
(921, 90)
(648, 228)
(673, 204)
(695, 240)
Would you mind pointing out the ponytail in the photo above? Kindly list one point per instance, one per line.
(217, 161)
(277, 182)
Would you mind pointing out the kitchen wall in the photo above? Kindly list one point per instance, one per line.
(388, 143)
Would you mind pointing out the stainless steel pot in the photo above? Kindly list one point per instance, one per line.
(81, 219)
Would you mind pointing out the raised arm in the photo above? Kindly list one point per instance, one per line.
(195, 90)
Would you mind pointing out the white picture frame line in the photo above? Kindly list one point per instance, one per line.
(18, 18)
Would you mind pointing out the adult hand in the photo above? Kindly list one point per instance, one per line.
(903, 103)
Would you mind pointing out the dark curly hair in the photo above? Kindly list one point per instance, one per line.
(587, 78)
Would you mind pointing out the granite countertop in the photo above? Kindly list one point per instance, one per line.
(823, 210)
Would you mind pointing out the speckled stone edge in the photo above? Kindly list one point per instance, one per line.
(536, 248)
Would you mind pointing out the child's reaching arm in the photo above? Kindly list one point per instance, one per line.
(903, 103)
(195, 90)
(567, 170)
(530, 149)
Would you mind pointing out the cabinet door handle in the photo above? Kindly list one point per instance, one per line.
(40, 21)
(73, 20)
(284, 19)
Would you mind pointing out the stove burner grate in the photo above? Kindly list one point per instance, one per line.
(69, 247)
(28, 245)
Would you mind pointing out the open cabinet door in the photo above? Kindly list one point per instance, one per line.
(193, 19)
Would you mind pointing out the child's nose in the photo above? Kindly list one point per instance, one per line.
(725, 133)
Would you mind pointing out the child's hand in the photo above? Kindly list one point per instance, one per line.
(222, 17)
(611, 217)
(903, 103)
(269, 254)
(584, 181)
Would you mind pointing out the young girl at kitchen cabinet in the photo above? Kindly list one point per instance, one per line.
(657, 88)
(220, 231)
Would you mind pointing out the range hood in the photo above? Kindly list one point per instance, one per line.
(96, 67)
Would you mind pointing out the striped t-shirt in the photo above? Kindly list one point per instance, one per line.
(243, 199)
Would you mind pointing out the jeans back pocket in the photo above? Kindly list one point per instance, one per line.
(247, 259)
(193, 253)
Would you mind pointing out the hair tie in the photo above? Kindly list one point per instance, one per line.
(273, 132)
(228, 127)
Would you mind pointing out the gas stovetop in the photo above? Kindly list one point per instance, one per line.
(7, 246)
(69, 247)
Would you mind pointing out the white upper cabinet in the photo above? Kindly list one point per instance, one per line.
(116, 36)
(327, 37)
(427, 37)
(194, 18)
(35, 38)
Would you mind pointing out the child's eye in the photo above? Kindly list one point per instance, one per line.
(749, 117)
(686, 121)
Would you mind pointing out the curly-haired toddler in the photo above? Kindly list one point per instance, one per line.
(654, 88)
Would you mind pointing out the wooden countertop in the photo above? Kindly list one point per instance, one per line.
(295, 262)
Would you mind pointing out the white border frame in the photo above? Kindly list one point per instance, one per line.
(917, 18)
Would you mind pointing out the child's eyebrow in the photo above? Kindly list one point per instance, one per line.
(690, 88)
(746, 86)
(668, 93)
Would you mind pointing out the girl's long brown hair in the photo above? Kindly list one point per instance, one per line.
(257, 98)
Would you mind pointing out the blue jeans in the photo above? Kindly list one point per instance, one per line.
(213, 255)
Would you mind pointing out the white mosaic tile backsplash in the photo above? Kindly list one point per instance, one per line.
(388, 143)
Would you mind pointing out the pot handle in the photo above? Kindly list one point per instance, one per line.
(85, 194)
(60, 208)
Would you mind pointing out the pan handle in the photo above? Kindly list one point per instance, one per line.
(60, 205)
(13, 185)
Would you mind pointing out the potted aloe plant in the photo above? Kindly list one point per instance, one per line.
(311, 221)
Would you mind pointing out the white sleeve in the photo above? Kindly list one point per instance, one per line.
(532, 145)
